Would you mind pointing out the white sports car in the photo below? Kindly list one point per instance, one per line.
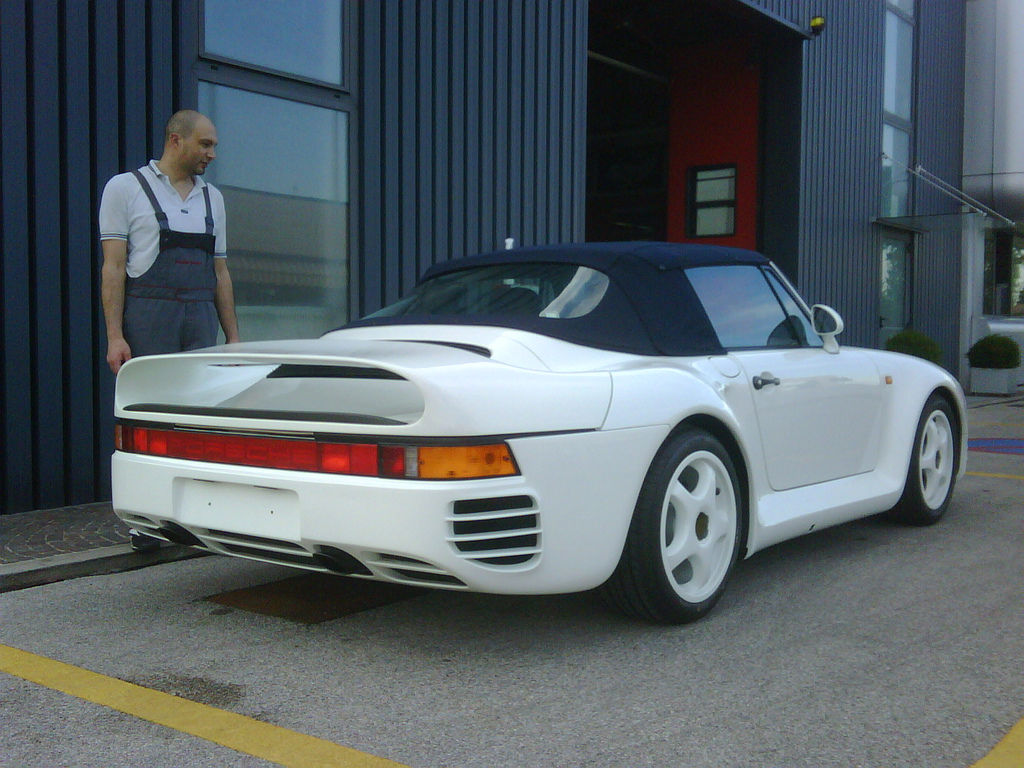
(628, 416)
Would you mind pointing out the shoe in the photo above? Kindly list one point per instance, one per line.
(140, 542)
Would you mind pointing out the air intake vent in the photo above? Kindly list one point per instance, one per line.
(294, 371)
(503, 531)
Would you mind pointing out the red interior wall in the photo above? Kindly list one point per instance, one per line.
(713, 120)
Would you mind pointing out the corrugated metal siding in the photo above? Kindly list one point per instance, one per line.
(841, 174)
(939, 148)
(472, 128)
(81, 83)
(841, 166)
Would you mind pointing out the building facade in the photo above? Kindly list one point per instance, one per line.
(363, 141)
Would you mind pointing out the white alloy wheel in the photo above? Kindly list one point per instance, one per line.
(934, 463)
(684, 537)
(935, 459)
(698, 526)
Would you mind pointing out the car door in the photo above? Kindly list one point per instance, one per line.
(818, 413)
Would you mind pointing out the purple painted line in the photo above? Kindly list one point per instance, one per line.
(996, 445)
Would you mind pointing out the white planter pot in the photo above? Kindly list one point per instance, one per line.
(993, 381)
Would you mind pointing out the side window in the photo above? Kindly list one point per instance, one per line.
(799, 321)
(743, 309)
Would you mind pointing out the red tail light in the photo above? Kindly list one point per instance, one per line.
(310, 455)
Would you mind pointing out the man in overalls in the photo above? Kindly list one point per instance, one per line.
(165, 280)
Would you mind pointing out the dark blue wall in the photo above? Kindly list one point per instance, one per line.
(470, 128)
(472, 119)
(840, 178)
(79, 84)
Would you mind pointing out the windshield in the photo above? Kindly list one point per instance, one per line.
(548, 290)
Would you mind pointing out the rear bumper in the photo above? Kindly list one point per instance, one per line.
(557, 527)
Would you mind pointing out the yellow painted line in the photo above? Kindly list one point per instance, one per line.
(1008, 753)
(237, 732)
(995, 474)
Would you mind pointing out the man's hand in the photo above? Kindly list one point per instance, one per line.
(118, 353)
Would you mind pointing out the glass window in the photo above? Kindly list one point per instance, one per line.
(283, 169)
(296, 37)
(1004, 273)
(907, 6)
(895, 177)
(894, 297)
(742, 308)
(899, 66)
(561, 291)
(712, 203)
(803, 331)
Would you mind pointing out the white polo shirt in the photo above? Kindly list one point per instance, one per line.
(126, 214)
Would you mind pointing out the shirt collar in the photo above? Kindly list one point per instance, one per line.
(198, 181)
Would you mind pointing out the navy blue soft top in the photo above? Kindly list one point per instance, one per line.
(650, 307)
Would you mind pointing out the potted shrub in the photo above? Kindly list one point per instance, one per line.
(911, 342)
(994, 361)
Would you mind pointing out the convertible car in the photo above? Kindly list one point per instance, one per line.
(631, 417)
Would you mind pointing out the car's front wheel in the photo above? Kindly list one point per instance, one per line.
(684, 538)
(933, 466)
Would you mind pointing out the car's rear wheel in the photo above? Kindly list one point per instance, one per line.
(684, 537)
(933, 466)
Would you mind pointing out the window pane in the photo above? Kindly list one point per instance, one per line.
(899, 65)
(801, 326)
(282, 167)
(714, 221)
(299, 37)
(558, 291)
(741, 307)
(893, 300)
(907, 6)
(715, 185)
(895, 177)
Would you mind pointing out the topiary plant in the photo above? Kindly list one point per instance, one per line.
(911, 342)
(994, 351)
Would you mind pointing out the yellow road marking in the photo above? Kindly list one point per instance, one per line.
(995, 474)
(237, 732)
(1008, 753)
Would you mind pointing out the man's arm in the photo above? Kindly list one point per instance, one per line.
(224, 301)
(115, 254)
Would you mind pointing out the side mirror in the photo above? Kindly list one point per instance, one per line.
(827, 324)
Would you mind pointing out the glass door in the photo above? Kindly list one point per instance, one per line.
(896, 284)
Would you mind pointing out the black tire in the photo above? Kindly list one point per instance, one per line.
(684, 537)
(934, 462)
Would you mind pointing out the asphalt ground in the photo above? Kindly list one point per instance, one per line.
(398, 652)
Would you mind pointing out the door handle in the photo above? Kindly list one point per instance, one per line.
(764, 380)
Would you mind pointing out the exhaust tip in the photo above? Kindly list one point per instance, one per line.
(178, 535)
(339, 561)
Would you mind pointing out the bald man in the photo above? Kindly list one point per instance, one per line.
(165, 280)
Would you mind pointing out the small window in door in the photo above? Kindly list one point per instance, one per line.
(711, 202)
(742, 308)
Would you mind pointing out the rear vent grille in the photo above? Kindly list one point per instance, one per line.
(409, 569)
(295, 371)
(503, 531)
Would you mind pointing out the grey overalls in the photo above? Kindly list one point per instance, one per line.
(170, 308)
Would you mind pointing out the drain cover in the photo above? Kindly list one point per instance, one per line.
(315, 598)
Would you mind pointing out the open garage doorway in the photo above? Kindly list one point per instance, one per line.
(693, 113)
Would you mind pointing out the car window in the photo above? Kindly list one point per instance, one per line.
(743, 308)
(550, 290)
(798, 319)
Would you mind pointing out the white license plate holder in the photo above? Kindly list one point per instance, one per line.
(256, 511)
